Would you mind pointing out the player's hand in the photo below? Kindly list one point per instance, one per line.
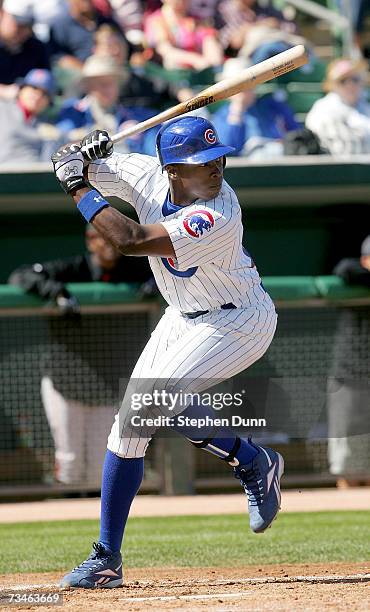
(68, 304)
(68, 165)
(96, 145)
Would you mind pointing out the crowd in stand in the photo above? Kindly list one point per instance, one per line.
(68, 66)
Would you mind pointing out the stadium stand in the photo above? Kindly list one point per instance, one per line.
(302, 215)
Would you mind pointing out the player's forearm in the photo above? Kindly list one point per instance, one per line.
(124, 233)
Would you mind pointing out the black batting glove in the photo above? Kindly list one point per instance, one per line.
(67, 304)
(68, 165)
(96, 145)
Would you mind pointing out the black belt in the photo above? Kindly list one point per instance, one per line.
(199, 313)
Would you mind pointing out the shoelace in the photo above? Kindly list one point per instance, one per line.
(250, 480)
(98, 553)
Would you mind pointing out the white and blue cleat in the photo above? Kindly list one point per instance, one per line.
(261, 481)
(102, 569)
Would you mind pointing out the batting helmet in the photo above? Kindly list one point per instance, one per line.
(189, 140)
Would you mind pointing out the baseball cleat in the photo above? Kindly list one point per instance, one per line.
(102, 569)
(261, 481)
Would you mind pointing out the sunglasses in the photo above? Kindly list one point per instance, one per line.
(351, 79)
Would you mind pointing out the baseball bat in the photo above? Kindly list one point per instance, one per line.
(247, 79)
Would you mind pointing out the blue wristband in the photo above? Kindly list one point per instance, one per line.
(90, 204)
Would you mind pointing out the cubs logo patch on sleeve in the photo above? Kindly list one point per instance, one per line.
(198, 222)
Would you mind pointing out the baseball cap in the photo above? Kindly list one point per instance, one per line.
(365, 247)
(97, 66)
(40, 78)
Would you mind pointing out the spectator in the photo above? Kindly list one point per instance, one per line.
(348, 389)
(236, 19)
(20, 50)
(179, 40)
(136, 89)
(254, 126)
(22, 132)
(266, 39)
(103, 6)
(72, 37)
(100, 108)
(110, 42)
(341, 119)
(129, 15)
(204, 10)
(79, 430)
(44, 13)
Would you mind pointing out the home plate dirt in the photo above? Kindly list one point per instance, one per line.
(308, 587)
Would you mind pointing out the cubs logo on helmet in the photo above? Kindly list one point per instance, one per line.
(198, 222)
(210, 136)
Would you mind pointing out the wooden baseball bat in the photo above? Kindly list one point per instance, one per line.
(247, 79)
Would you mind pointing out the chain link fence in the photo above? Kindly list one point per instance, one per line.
(59, 390)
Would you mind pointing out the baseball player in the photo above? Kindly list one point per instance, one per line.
(218, 322)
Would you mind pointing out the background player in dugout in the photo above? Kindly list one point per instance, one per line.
(195, 229)
(348, 397)
(79, 430)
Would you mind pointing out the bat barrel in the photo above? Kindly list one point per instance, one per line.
(264, 71)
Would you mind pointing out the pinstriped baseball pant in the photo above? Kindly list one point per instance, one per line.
(204, 351)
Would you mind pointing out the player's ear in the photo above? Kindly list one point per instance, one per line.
(172, 172)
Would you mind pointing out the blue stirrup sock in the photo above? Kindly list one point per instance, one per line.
(220, 441)
(120, 482)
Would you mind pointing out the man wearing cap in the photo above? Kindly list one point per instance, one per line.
(341, 119)
(356, 271)
(72, 37)
(20, 50)
(79, 412)
(22, 140)
(101, 80)
(254, 126)
(348, 388)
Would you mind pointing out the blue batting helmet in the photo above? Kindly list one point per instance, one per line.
(189, 140)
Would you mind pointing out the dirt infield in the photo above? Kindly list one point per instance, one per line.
(308, 587)
(307, 500)
(303, 587)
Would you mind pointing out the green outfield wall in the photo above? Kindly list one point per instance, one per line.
(301, 215)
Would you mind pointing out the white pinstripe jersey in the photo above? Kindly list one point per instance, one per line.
(211, 268)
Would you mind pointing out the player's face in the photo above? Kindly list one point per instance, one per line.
(202, 181)
(105, 254)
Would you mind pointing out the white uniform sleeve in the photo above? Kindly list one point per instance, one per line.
(126, 176)
(201, 236)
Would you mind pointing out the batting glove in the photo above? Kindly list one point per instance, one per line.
(68, 166)
(96, 145)
(68, 305)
